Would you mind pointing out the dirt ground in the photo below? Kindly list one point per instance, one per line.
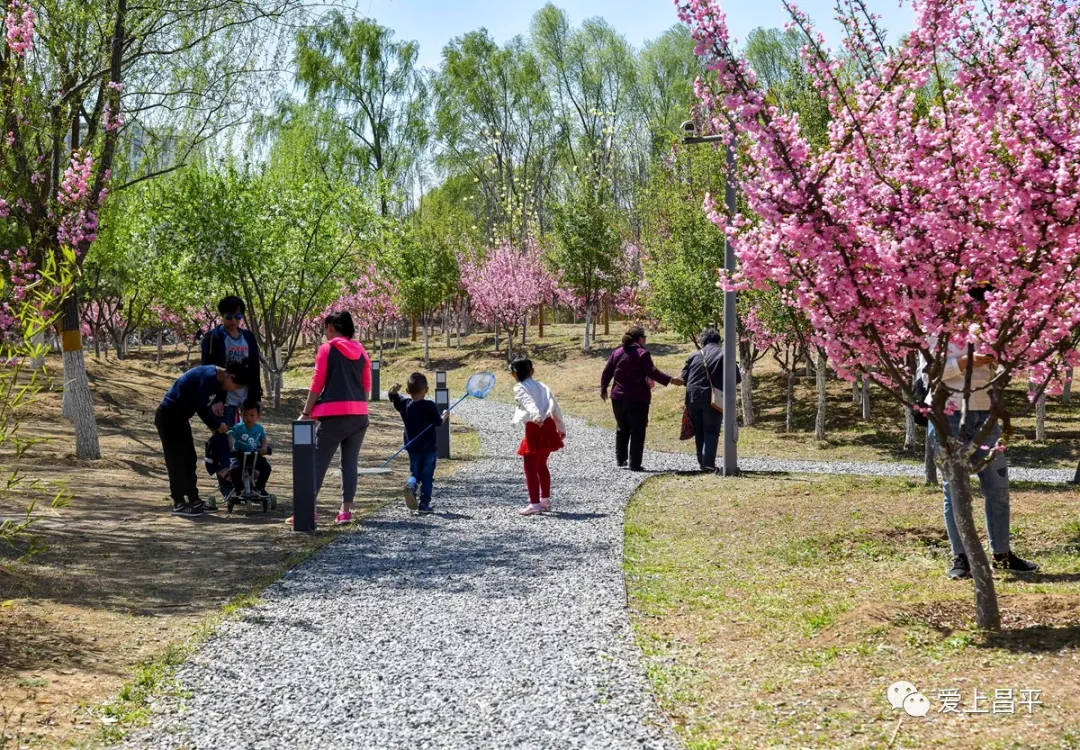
(122, 579)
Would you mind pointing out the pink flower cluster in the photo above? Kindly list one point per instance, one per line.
(20, 27)
(927, 187)
(370, 300)
(78, 221)
(509, 283)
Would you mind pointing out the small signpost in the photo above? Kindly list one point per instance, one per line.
(303, 459)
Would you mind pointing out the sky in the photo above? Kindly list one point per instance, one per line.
(433, 23)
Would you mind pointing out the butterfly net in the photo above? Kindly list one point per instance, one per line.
(480, 384)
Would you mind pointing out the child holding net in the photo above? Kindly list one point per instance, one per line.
(544, 433)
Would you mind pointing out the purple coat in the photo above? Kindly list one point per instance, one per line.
(629, 366)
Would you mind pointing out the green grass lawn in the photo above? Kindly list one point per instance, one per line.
(775, 612)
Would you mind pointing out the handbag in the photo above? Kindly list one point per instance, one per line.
(716, 395)
(687, 429)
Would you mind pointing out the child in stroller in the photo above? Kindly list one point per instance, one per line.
(250, 471)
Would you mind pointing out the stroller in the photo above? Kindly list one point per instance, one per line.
(246, 494)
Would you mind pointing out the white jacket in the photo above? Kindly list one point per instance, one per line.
(535, 403)
(953, 379)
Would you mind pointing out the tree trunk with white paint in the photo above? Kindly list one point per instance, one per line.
(78, 402)
(822, 396)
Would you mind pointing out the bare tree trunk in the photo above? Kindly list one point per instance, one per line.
(911, 439)
(1066, 393)
(587, 345)
(78, 402)
(929, 464)
(446, 324)
(819, 422)
(866, 397)
(427, 344)
(789, 401)
(524, 329)
(414, 328)
(460, 315)
(540, 321)
(856, 396)
(496, 336)
(97, 347)
(747, 392)
(1040, 417)
(160, 344)
(607, 318)
(956, 469)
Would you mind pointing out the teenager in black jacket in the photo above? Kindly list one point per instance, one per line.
(227, 344)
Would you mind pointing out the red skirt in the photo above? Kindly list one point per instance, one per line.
(540, 438)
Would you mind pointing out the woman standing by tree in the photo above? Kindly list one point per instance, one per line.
(338, 399)
(631, 367)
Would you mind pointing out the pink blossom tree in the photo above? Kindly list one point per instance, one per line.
(950, 163)
(507, 285)
(370, 299)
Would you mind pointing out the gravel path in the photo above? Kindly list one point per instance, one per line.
(473, 628)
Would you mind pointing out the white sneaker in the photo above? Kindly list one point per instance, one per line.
(533, 509)
(545, 504)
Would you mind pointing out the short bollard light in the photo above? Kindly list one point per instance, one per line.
(442, 402)
(303, 457)
(376, 392)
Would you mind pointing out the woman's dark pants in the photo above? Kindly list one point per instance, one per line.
(632, 417)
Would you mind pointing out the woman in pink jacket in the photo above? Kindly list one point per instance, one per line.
(338, 399)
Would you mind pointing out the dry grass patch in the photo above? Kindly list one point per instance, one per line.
(775, 612)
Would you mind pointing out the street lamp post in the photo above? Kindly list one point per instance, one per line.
(730, 467)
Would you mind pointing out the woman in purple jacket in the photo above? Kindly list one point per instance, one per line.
(631, 367)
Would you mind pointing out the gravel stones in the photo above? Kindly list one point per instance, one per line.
(471, 628)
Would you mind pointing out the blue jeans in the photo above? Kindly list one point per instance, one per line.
(422, 469)
(707, 425)
(219, 446)
(994, 481)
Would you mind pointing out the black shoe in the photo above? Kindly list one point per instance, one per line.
(424, 508)
(960, 568)
(637, 468)
(197, 508)
(622, 464)
(709, 469)
(178, 507)
(1009, 561)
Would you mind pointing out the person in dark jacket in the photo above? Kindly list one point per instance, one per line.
(421, 417)
(631, 369)
(706, 420)
(221, 346)
(194, 392)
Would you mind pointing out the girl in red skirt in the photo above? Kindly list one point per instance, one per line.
(544, 433)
